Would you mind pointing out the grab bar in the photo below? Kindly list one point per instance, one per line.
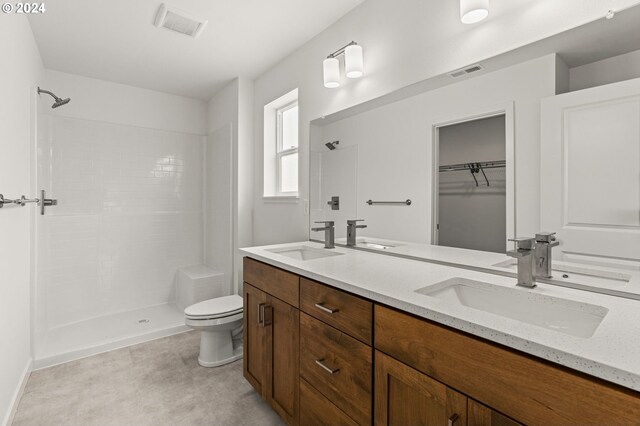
(403, 203)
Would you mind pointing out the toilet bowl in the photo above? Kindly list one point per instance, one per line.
(219, 321)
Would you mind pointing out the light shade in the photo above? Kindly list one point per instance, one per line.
(472, 11)
(353, 62)
(331, 72)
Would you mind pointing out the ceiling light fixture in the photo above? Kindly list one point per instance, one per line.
(473, 11)
(353, 65)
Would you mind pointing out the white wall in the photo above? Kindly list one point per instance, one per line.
(222, 122)
(100, 100)
(610, 70)
(404, 42)
(395, 151)
(20, 73)
(232, 108)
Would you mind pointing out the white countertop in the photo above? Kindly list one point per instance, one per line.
(612, 353)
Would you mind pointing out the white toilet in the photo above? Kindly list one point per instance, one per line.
(220, 323)
(200, 291)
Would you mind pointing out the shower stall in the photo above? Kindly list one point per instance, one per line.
(131, 204)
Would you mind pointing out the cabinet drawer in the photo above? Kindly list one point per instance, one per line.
(344, 311)
(525, 388)
(316, 410)
(277, 282)
(338, 366)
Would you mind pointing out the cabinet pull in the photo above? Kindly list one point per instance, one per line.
(326, 309)
(261, 313)
(267, 315)
(320, 362)
(454, 418)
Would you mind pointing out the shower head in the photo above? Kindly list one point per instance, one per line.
(331, 145)
(58, 101)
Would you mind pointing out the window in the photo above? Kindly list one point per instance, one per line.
(287, 149)
(281, 148)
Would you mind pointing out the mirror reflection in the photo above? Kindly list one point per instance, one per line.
(543, 138)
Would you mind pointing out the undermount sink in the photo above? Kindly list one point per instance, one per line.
(563, 315)
(305, 252)
(375, 245)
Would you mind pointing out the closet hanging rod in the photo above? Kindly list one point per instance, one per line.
(390, 203)
(467, 166)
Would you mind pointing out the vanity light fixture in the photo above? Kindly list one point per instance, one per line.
(473, 11)
(353, 65)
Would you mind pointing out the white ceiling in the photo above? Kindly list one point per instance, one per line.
(116, 40)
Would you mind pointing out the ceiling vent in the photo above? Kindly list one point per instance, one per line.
(465, 71)
(178, 21)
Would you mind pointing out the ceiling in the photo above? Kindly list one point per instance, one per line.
(116, 40)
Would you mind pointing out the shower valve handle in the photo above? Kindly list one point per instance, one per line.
(46, 202)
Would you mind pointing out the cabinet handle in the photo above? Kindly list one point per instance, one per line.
(267, 319)
(326, 309)
(454, 418)
(261, 313)
(329, 370)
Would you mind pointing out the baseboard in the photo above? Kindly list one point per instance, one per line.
(15, 401)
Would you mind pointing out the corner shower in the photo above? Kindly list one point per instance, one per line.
(131, 214)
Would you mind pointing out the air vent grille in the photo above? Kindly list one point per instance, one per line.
(466, 71)
(179, 22)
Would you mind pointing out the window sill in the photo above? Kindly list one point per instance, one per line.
(286, 199)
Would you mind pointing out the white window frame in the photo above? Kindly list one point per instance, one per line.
(280, 152)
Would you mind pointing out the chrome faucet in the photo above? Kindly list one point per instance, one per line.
(329, 233)
(545, 241)
(524, 251)
(351, 231)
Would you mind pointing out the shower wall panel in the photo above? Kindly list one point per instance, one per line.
(129, 214)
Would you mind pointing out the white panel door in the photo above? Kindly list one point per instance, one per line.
(590, 172)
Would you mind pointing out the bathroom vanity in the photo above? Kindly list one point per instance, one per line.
(354, 338)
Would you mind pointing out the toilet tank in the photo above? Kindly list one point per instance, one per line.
(198, 283)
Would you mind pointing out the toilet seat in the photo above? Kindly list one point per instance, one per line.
(218, 308)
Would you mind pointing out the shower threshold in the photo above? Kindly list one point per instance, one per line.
(108, 332)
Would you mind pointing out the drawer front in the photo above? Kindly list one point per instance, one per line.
(316, 410)
(525, 388)
(344, 311)
(277, 282)
(338, 366)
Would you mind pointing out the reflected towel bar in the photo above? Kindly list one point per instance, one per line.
(390, 203)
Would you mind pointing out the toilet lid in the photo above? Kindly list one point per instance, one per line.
(215, 307)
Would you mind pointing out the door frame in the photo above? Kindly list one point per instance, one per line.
(507, 110)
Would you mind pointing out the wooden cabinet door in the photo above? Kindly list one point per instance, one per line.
(254, 339)
(481, 415)
(283, 358)
(404, 396)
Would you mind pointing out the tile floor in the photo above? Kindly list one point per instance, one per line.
(153, 383)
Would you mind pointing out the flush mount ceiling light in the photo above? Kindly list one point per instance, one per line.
(353, 65)
(473, 11)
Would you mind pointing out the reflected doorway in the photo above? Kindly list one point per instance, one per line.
(471, 185)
